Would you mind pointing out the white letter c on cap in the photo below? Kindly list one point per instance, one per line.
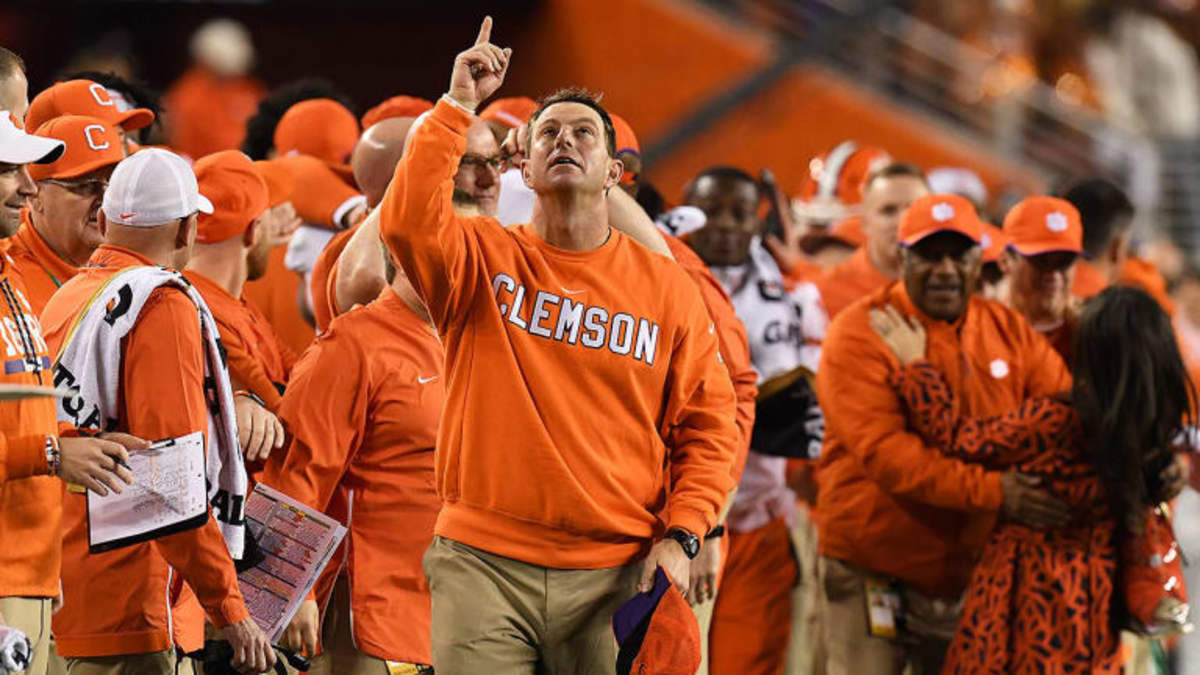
(91, 140)
(98, 89)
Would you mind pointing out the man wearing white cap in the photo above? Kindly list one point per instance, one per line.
(31, 454)
(128, 324)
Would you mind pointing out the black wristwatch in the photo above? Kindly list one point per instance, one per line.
(688, 541)
(716, 532)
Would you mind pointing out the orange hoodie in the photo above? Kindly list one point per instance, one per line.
(257, 359)
(587, 408)
(324, 275)
(30, 500)
(888, 503)
(363, 410)
(117, 602)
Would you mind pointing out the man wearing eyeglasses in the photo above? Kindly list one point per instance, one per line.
(59, 226)
(479, 169)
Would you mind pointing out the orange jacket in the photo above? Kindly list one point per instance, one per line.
(363, 411)
(30, 500)
(257, 360)
(209, 113)
(1088, 280)
(848, 281)
(731, 336)
(584, 412)
(887, 502)
(117, 602)
(1143, 274)
(324, 273)
(40, 267)
(275, 295)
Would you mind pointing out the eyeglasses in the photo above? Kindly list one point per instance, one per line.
(92, 187)
(479, 162)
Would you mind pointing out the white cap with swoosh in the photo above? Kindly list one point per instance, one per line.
(153, 187)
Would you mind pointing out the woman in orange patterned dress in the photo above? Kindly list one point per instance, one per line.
(1042, 601)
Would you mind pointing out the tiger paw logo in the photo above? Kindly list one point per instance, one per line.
(942, 212)
(1056, 222)
(118, 306)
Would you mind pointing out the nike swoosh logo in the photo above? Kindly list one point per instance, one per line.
(570, 292)
(127, 215)
(426, 380)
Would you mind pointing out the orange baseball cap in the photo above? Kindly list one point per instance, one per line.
(993, 240)
(237, 191)
(656, 632)
(280, 184)
(319, 193)
(625, 141)
(848, 231)
(1043, 224)
(939, 213)
(396, 106)
(84, 97)
(512, 112)
(91, 144)
(320, 127)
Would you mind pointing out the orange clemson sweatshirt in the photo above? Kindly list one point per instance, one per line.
(587, 406)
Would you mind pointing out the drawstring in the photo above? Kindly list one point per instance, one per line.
(27, 344)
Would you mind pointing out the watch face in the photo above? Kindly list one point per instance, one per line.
(689, 542)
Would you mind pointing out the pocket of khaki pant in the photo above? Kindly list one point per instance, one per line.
(839, 580)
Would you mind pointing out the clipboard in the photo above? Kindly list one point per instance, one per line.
(169, 494)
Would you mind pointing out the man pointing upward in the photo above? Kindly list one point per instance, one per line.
(589, 431)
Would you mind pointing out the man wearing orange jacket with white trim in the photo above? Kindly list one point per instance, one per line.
(589, 429)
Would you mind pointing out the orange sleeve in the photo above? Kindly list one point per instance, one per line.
(735, 351)
(163, 379)
(702, 434)
(863, 410)
(324, 409)
(23, 456)
(245, 371)
(417, 219)
(326, 264)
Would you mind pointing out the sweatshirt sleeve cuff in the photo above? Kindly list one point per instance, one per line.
(993, 491)
(26, 456)
(453, 115)
(229, 612)
(690, 520)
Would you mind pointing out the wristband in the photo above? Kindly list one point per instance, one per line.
(454, 102)
(716, 532)
(53, 455)
(251, 395)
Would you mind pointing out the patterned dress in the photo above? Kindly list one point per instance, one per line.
(1039, 601)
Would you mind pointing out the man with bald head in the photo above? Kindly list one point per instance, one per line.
(14, 88)
(375, 157)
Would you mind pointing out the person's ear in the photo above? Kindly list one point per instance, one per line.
(1006, 262)
(101, 222)
(527, 173)
(250, 236)
(185, 236)
(615, 170)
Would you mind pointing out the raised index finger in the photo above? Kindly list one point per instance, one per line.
(485, 31)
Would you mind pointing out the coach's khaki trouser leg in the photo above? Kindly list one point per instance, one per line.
(805, 654)
(704, 615)
(849, 647)
(487, 610)
(32, 617)
(579, 609)
(154, 663)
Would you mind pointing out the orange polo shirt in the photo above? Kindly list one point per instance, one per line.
(587, 408)
(117, 602)
(889, 503)
(363, 409)
(30, 501)
(275, 295)
(257, 360)
(324, 275)
(41, 268)
(731, 336)
(848, 281)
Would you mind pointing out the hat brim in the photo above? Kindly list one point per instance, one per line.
(85, 168)
(138, 118)
(915, 239)
(203, 205)
(30, 149)
(1028, 251)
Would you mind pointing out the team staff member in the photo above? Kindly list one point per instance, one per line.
(363, 409)
(1045, 242)
(784, 326)
(60, 228)
(1107, 217)
(14, 91)
(31, 453)
(892, 508)
(886, 195)
(528, 579)
(90, 99)
(220, 265)
(116, 616)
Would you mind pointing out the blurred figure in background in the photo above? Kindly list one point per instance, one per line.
(14, 87)
(212, 101)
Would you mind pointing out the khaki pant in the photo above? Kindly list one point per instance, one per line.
(805, 655)
(31, 616)
(494, 615)
(339, 655)
(154, 663)
(851, 649)
(704, 615)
